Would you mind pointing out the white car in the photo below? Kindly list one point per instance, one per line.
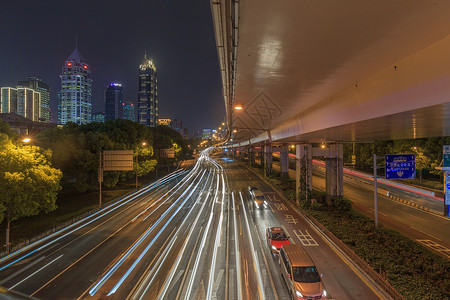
(257, 197)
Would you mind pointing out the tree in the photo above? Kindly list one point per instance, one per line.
(4, 128)
(28, 182)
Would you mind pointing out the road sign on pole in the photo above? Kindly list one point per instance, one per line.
(447, 187)
(400, 166)
(446, 161)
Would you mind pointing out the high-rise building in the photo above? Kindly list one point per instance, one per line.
(128, 111)
(113, 102)
(76, 90)
(98, 116)
(176, 125)
(38, 85)
(207, 133)
(8, 100)
(22, 101)
(148, 93)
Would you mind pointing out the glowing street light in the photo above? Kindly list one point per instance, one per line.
(26, 140)
(238, 107)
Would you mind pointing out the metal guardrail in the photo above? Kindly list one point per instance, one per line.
(61, 226)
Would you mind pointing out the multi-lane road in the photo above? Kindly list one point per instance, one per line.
(402, 212)
(194, 234)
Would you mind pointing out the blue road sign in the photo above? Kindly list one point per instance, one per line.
(400, 166)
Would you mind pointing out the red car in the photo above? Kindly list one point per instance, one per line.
(276, 237)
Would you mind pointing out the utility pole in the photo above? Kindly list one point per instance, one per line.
(137, 154)
(375, 192)
(100, 179)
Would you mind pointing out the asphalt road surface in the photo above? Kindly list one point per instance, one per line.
(194, 234)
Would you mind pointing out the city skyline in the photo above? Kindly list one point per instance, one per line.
(178, 36)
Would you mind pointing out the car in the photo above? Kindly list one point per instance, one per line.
(276, 237)
(251, 189)
(259, 199)
(300, 274)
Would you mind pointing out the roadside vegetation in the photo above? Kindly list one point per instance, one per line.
(428, 152)
(413, 270)
(54, 178)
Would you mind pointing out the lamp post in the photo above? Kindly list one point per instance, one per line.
(137, 163)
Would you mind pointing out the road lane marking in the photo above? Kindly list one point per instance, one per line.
(32, 274)
(425, 233)
(305, 238)
(21, 270)
(254, 254)
(423, 220)
(371, 210)
(266, 263)
(216, 284)
(290, 219)
(217, 243)
(436, 247)
(188, 264)
(281, 206)
(342, 255)
(236, 245)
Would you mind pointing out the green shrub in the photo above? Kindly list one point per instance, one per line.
(342, 204)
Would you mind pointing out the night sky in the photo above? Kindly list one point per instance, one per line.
(38, 35)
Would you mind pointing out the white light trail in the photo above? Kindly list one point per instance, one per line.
(236, 247)
(101, 213)
(163, 292)
(255, 256)
(217, 243)
(99, 284)
(158, 234)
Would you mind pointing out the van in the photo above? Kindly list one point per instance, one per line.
(300, 274)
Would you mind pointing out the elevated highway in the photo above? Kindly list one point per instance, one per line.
(321, 71)
(306, 72)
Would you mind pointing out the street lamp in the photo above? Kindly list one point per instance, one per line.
(26, 140)
(137, 163)
(238, 107)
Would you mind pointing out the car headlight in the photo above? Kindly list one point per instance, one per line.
(298, 294)
(256, 204)
(274, 248)
(324, 293)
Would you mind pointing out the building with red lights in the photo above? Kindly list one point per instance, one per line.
(76, 91)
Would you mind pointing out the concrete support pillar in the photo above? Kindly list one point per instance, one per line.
(303, 171)
(261, 156)
(284, 161)
(267, 160)
(334, 164)
(251, 156)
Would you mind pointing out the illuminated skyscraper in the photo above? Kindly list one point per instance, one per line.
(8, 100)
(38, 85)
(113, 102)
(76, 90)
(148, 93)
(22, 101)
(128, 111)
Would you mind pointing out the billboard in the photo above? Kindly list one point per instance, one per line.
(167, 153)
(117, 160)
